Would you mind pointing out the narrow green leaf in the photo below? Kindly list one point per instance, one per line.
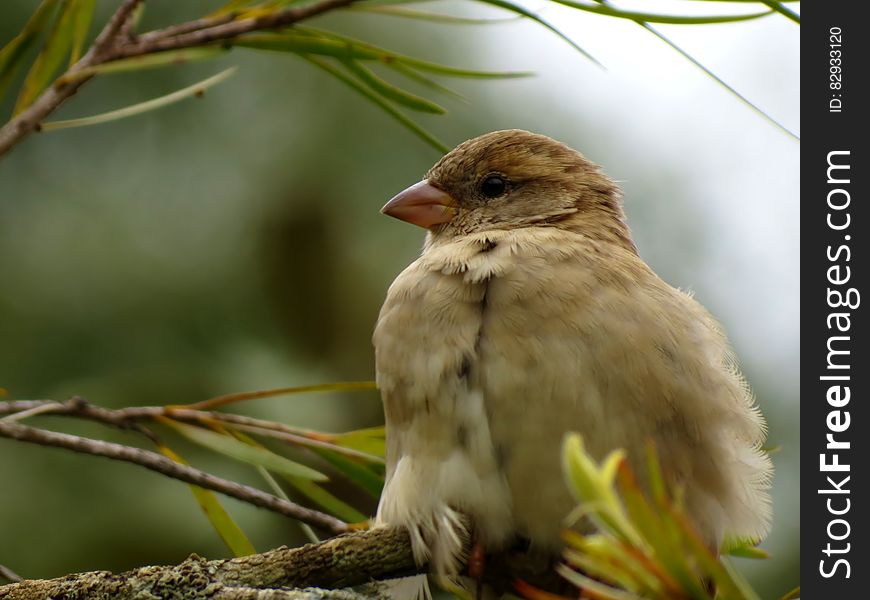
(392, 2)
(306, 40)
(311, 490)
(12, 53)
(786, 12)
(220, 519)
(231, 7)
(625, 557)
(432, 17)
(669, 552)
(232, 447)
(414, 75)
(57, 45)
(279, 491)
(84, 12)
(725, 582)
(792, 594)
(519, 10)
(604, 570)
(715, 77)
(341, 386)
(142, 107)
(380, 102)
(390, 91)
(609, 11)
(327, 501)
(721, 82)
(362, 475)
(747, 552)
(150, 61)
(371, 440)
(656, 478)
(587, 584)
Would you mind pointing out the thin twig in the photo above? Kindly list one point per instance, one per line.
(9, 575)
(115, 25)
(128, 418)
(29, 119)
(108, 46)
(181, 28)
(226, 31)
(165, 466)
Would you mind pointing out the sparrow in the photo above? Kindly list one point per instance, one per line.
(529, 314)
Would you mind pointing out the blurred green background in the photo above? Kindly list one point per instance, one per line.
(234, 243)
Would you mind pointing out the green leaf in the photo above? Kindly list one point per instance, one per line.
(232, 447)
(220, 519)
(778, 7)
(84, 12)
(603, 569)
(136, 109)
(747, 552)
(726, 582)
(380, 102)
(713, 76)
(390, 91)
(306, 40)
(371, 440)
(307, 488)
(792, 594)
(668, 549)
(721, 82)
(231, 7)
(519, 10)
(362, 475)
(150, 61)
(12, 53)
(341, 386)
(327, 501)
(603, 9)
(588, 585)
(413, 75)
(432, 17)
(57, 45)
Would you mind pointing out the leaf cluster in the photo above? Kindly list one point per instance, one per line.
(60, 31)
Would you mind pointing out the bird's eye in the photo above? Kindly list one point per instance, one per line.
(493, 186)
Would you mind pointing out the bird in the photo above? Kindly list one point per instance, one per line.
(530, 314)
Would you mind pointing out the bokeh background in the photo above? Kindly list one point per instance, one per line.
(234, 243)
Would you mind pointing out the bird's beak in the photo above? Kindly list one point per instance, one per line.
(422, 204)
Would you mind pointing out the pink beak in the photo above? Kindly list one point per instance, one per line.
(422, 204)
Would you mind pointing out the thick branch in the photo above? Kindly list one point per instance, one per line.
(165, 466)
(345, 561)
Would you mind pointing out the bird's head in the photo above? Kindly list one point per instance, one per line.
(513, 179)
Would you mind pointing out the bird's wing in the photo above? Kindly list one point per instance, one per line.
(580, 337)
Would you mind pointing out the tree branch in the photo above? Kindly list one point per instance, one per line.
(345, 561)
(127, 418)
(115, 25)
(108, 46)
(165, 466)
(180, 36)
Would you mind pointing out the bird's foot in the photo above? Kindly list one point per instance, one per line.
(476, 566)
